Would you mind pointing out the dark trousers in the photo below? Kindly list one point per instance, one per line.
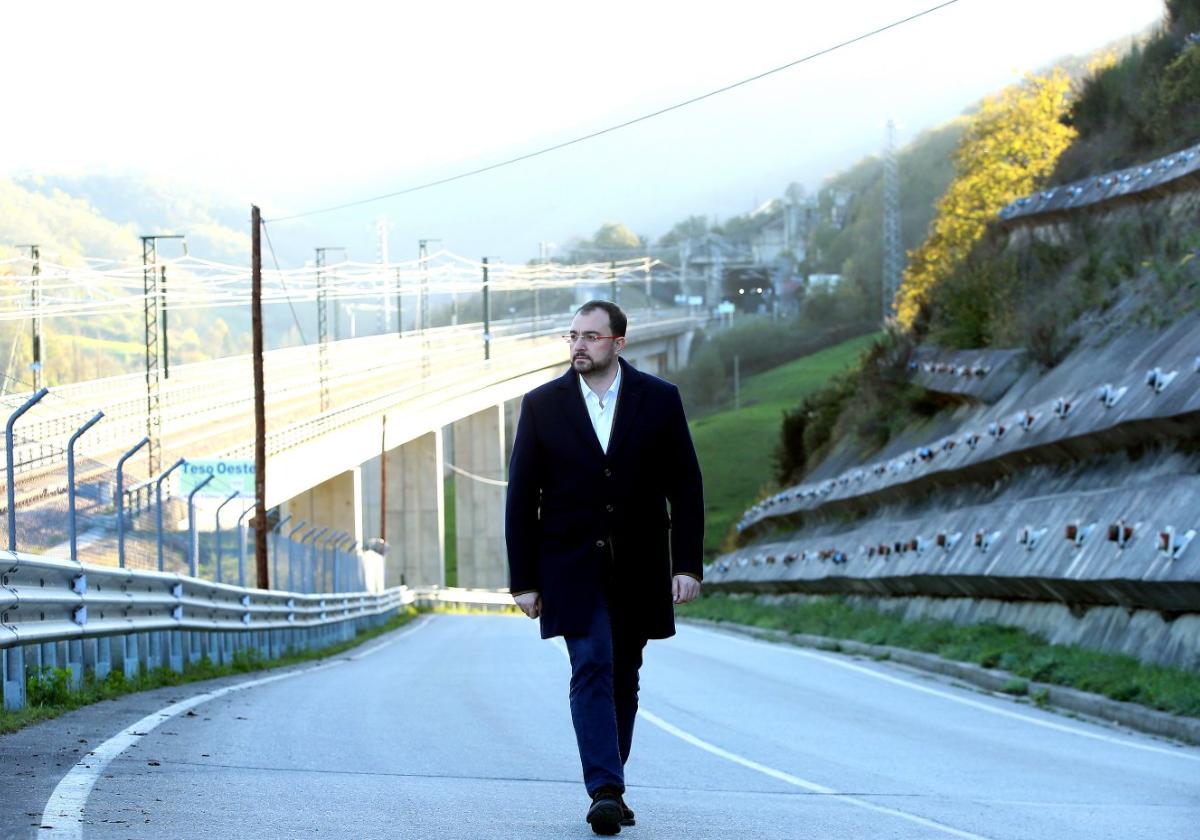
(604, 697)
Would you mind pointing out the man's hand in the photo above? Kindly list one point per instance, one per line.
(684, 588)
(530, 603)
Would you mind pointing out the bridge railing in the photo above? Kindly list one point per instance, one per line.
(453, 372)
(212, 394)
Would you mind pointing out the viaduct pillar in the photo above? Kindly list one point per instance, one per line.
(416, 513)
(479, 449)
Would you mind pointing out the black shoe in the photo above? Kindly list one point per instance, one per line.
(606, 813)
(626, 812)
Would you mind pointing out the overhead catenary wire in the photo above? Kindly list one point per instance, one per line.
(274, 259)
(621, 125)
(495, 482)
(78, 291)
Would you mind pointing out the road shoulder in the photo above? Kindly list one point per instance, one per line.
(1057, 697)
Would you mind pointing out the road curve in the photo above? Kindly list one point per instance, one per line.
(457, 727)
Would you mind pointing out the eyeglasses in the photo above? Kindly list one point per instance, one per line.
(590, 338)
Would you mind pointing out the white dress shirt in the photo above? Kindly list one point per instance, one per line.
(602, 410)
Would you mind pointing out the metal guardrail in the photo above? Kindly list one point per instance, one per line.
(97, 619)
(45, 600)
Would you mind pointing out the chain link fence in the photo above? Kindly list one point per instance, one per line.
(70, 494)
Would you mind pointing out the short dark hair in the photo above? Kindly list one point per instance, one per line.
(616, 316)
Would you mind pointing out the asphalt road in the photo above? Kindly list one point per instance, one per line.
(457, 727)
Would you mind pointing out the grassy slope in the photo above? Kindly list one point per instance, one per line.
(1025, 654)
(735, 447)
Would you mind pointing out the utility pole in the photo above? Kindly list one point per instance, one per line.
(487, 315)
(150, 309)
(537, 298)
(685, 252)
(612, 277)
(893, 254)
(737, 382)
(323, 326)
(166, 351)
(399, 308)
(383, 478)
(35, 300)
(423, 299)
(381, 230)
(260, 407)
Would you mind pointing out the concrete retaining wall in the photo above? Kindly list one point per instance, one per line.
(978, 375)
(1060, 417)
(1105, 547)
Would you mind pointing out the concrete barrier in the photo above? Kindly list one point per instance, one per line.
(973, 375)
(1139, 389)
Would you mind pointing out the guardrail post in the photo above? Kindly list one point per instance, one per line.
(158, 504)
(193, 536)
(232, 496)
(129, 654)
(176, 654)
(241, 531)
(12, 490)
(14, 676)
(121, 499)
(71, 481)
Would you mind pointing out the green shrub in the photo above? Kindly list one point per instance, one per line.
(1016, 686)
(48, 686)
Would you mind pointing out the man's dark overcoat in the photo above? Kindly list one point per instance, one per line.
(580, 520)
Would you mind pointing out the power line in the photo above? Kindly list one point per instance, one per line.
(557, 146)
(278, 271)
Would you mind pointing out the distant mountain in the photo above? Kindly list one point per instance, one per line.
(135, 206)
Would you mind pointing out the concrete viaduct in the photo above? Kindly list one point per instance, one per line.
(410, 408)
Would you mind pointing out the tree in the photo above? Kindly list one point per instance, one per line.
(614, 236)
(1008, 148)
(693, 227)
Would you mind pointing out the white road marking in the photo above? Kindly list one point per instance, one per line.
(69, 798)
(946, 695)
(788, 778)
(796, 781)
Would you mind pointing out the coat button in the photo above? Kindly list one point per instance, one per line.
(599, 543)
(608, 508)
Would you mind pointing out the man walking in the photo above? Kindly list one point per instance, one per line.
(598, 455)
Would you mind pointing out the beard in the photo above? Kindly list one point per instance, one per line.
(586, 364)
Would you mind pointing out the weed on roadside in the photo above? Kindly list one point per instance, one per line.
(49, 691)
(1025, 655)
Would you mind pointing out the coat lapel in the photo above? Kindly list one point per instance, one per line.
(570, 401)
(628, 402)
